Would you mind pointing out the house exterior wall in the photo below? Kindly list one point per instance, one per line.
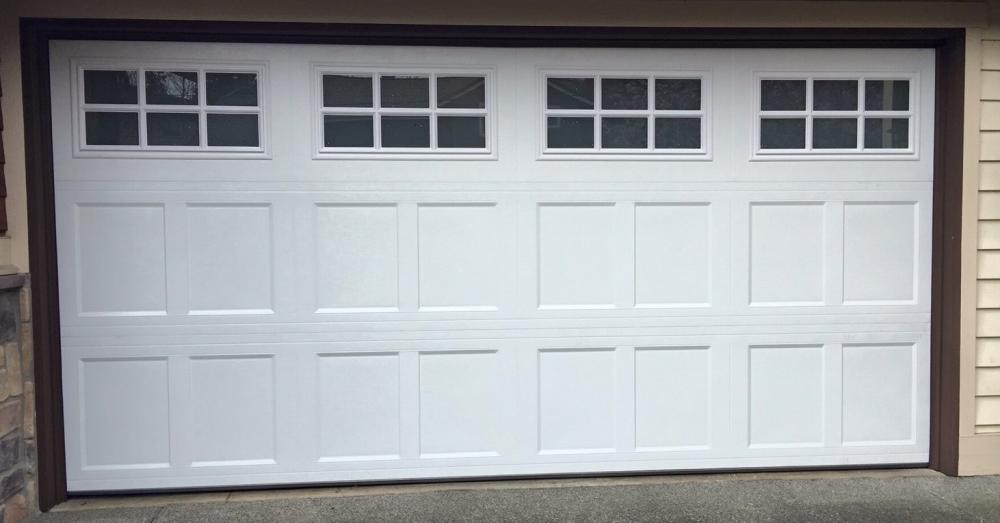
(980, 403)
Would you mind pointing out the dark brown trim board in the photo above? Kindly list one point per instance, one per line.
(37, 33)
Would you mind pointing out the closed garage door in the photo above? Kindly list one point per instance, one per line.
(290, 264)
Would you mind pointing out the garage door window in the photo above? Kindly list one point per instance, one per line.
(834, 116)
(387, 113)
(170, 110)
(623, 114)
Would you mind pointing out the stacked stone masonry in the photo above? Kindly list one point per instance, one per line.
(17, 403)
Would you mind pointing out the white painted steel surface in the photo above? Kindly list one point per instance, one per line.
(290, 317)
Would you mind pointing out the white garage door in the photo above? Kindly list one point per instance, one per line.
(285, 264)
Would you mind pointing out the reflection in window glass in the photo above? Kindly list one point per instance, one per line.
(678, 94)
(405, 91)
(406, 131)
(233, 130)
(110, 87)
(343, 130)
(678, 133)
(782, 133)
(347, 91)
(887, 95)
(236, 89)
(172, 128)
(569, 93)
(169, 88)
(835, 133)
(112, 128)
(887, 133)
(624, 133)
(624, 93)
(461, 92)
(467, 132)
(570, 132)
(835, 95)
(783, 95)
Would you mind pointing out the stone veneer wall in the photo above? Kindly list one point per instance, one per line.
(18, 498)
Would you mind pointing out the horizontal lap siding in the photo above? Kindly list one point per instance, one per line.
(988, 291)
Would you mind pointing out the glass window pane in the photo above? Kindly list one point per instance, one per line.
(406, 131)
(461, 92)
(887, 95)
(166, 88)
(231, 89)
(783, 95)
(678, 133)
(110, 87)
(624, 93)
(343, 130)
(112, 128)
(461, 131)
(835, 95)
(835, 133)
(172, 128)
(782, 133)
(405, 91)
(347, 91)
(570, 93)
(624, 133)
(887, 133)
(678, 94)
(570, 132)
(233, 130)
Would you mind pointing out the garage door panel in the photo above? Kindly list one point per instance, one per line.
(121, 260)
(356, 257)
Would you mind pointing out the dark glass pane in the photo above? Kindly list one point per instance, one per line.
(172, 128)
(782, 133)
(783, 95)
(462, 131)
(233, 130)
(165, 88)
(887, 95)
(347, 91)
(406, 131)
(835, 133)
(110, 87)
(624, 93)
(678, 94)
(461, 92)
(678, 133)
(887, 133)
(835, 95)
(112, 128)
(624, 133)
(405, 91)
(570, 93)
(341, 130)
(570, 132)
(231, 89)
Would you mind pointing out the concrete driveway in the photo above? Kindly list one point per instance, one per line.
(900, 495)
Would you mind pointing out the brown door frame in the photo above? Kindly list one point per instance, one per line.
(36, 33)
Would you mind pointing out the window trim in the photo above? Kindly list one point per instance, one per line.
(79, 109)
(377, 152)
(704, 153)
(860, 152)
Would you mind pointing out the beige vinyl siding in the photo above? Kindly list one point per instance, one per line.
(988, 285)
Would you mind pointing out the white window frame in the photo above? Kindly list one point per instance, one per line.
(377, 152)
(860, 151)
(202, 150)
(650, 113)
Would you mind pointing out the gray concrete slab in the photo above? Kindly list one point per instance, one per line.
(841, 496)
